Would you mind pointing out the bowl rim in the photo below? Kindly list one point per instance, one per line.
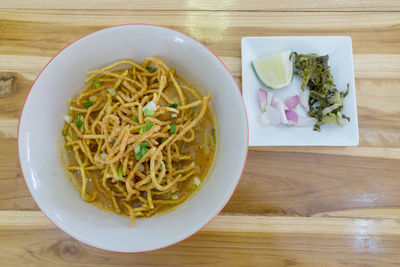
(122, 25)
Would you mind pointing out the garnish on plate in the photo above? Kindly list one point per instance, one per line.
(325, 100)
(275, 111)
(275, 70)
(320, 98)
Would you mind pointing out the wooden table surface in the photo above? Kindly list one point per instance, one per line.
(293, 205)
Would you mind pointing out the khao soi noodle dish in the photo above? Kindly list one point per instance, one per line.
(139, 138)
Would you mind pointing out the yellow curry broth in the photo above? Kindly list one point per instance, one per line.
(202, 149)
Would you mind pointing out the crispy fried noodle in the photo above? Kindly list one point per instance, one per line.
(140, 139)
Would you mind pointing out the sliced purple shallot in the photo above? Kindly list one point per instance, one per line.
(292, 102)
(262, 98)
(273, 115)
(275, 111)
(291, 117)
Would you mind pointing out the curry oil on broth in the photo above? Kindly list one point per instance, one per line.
(203, 149)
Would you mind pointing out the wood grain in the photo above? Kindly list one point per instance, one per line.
(233, 5)
(381, 213)
(53, 247)
(307, 206)
(367, 66)
(315, 183)
(246, 241)
(14, 192)
(379, 121)
(30, 220)
(45, 32)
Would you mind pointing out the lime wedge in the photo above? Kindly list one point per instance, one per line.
(275, 70)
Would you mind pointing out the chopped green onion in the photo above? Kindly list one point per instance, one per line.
(137, 149)
(196, 181)
(163, 139)
(148, 125)
(112, 91)
(148, 112)
(88, 104)
(67, 118)
(213, 135)
(166, 166)
(113, 141)
(151, 69)
(79, 121)
(173, 128)
(134, 117)
(96, 84)
(64, 133)
(173, 105)
(150, 108)
(119, 170)
(174, 196)
(144, 144)
(93, 98)
(143, 151)
(151, 180)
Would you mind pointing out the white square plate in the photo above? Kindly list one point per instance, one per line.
(340, 53)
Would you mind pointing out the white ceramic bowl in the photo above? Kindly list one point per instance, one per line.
(39, 138)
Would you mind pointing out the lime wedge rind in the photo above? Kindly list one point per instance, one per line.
(276, 70)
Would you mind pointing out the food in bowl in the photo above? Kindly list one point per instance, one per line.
(43, 160)
(139, 138)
